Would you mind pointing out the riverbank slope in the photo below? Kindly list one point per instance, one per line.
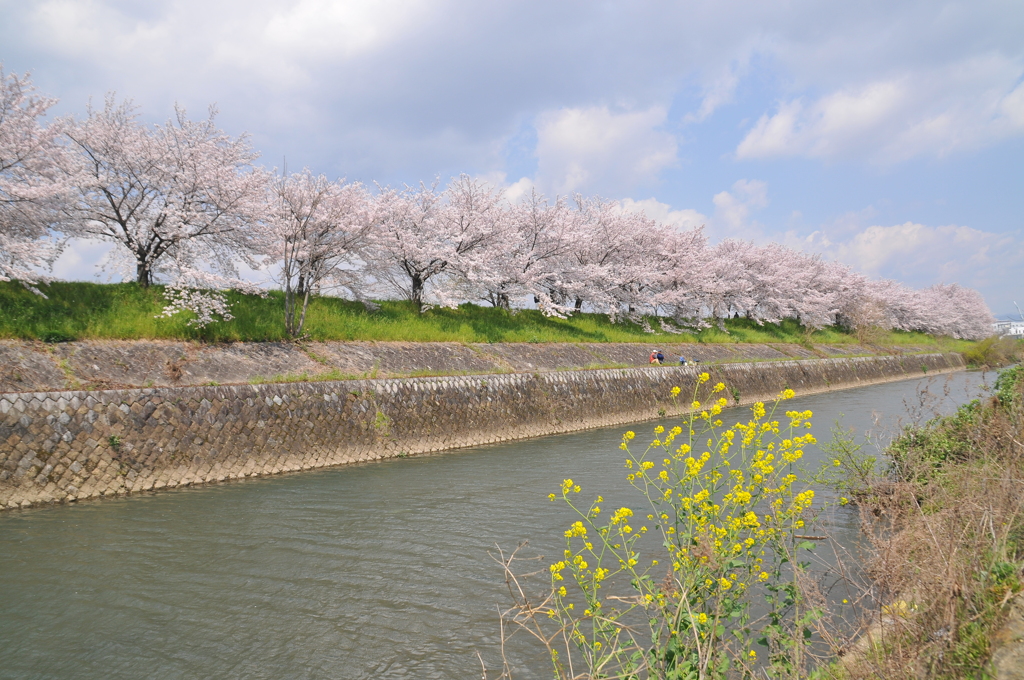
(119, 364)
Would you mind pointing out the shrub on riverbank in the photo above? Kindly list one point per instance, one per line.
(947, 527)
(87, 311)
(994, 352)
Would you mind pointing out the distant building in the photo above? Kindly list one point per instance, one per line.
(1011, 328)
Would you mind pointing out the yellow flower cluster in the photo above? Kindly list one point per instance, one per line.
(621, 514)
(802, 501)
(727, 517)
(577, 529)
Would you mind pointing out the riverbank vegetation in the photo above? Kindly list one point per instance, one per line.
(946, 522)
(995, 352)
(91, 311)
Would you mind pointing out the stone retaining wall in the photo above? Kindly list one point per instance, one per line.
(64, 446)
(119, 364)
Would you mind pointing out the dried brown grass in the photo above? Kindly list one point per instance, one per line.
(947, 531)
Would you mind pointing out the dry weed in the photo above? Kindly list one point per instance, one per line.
(948, 536)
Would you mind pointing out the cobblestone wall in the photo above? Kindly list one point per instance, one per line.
(65, 446)
(121, 364)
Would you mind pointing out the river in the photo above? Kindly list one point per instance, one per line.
(377, 570)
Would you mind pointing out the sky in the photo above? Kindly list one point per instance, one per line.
(886, 134)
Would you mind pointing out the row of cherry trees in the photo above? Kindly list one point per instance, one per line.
(184, 204)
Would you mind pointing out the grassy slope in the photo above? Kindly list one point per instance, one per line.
(83, 311)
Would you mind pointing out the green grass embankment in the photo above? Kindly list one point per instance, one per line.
(90, 311)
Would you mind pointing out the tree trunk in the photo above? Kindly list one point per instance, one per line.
(302, 316)
(417, 292)
(289, 308)
(143, 275)
(292, 325)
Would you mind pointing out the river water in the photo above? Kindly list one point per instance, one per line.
(377, 570)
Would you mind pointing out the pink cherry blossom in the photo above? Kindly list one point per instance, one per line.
(28, 185)
(313, 232)
(171, 197)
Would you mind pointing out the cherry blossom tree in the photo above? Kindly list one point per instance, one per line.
(861, 305)
(637, 273)
(730, 283)
(622, 263)
(949, 310)
(770, 283)
(28, 186)
(604, 265)
(314, 231)
(681, 276)
(805, 287)
(884, 303)
(172, 197)
(424, 236)
(521, 259)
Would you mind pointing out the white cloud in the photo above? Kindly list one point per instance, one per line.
(961, 106)
(733, 210)
(1011, 108)
(519, 189)
(329, 27)
(913, 251)
(598, 150)
(260, 36)
(720, 90)
(90, 29)
(685, 218)
(373, 84)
